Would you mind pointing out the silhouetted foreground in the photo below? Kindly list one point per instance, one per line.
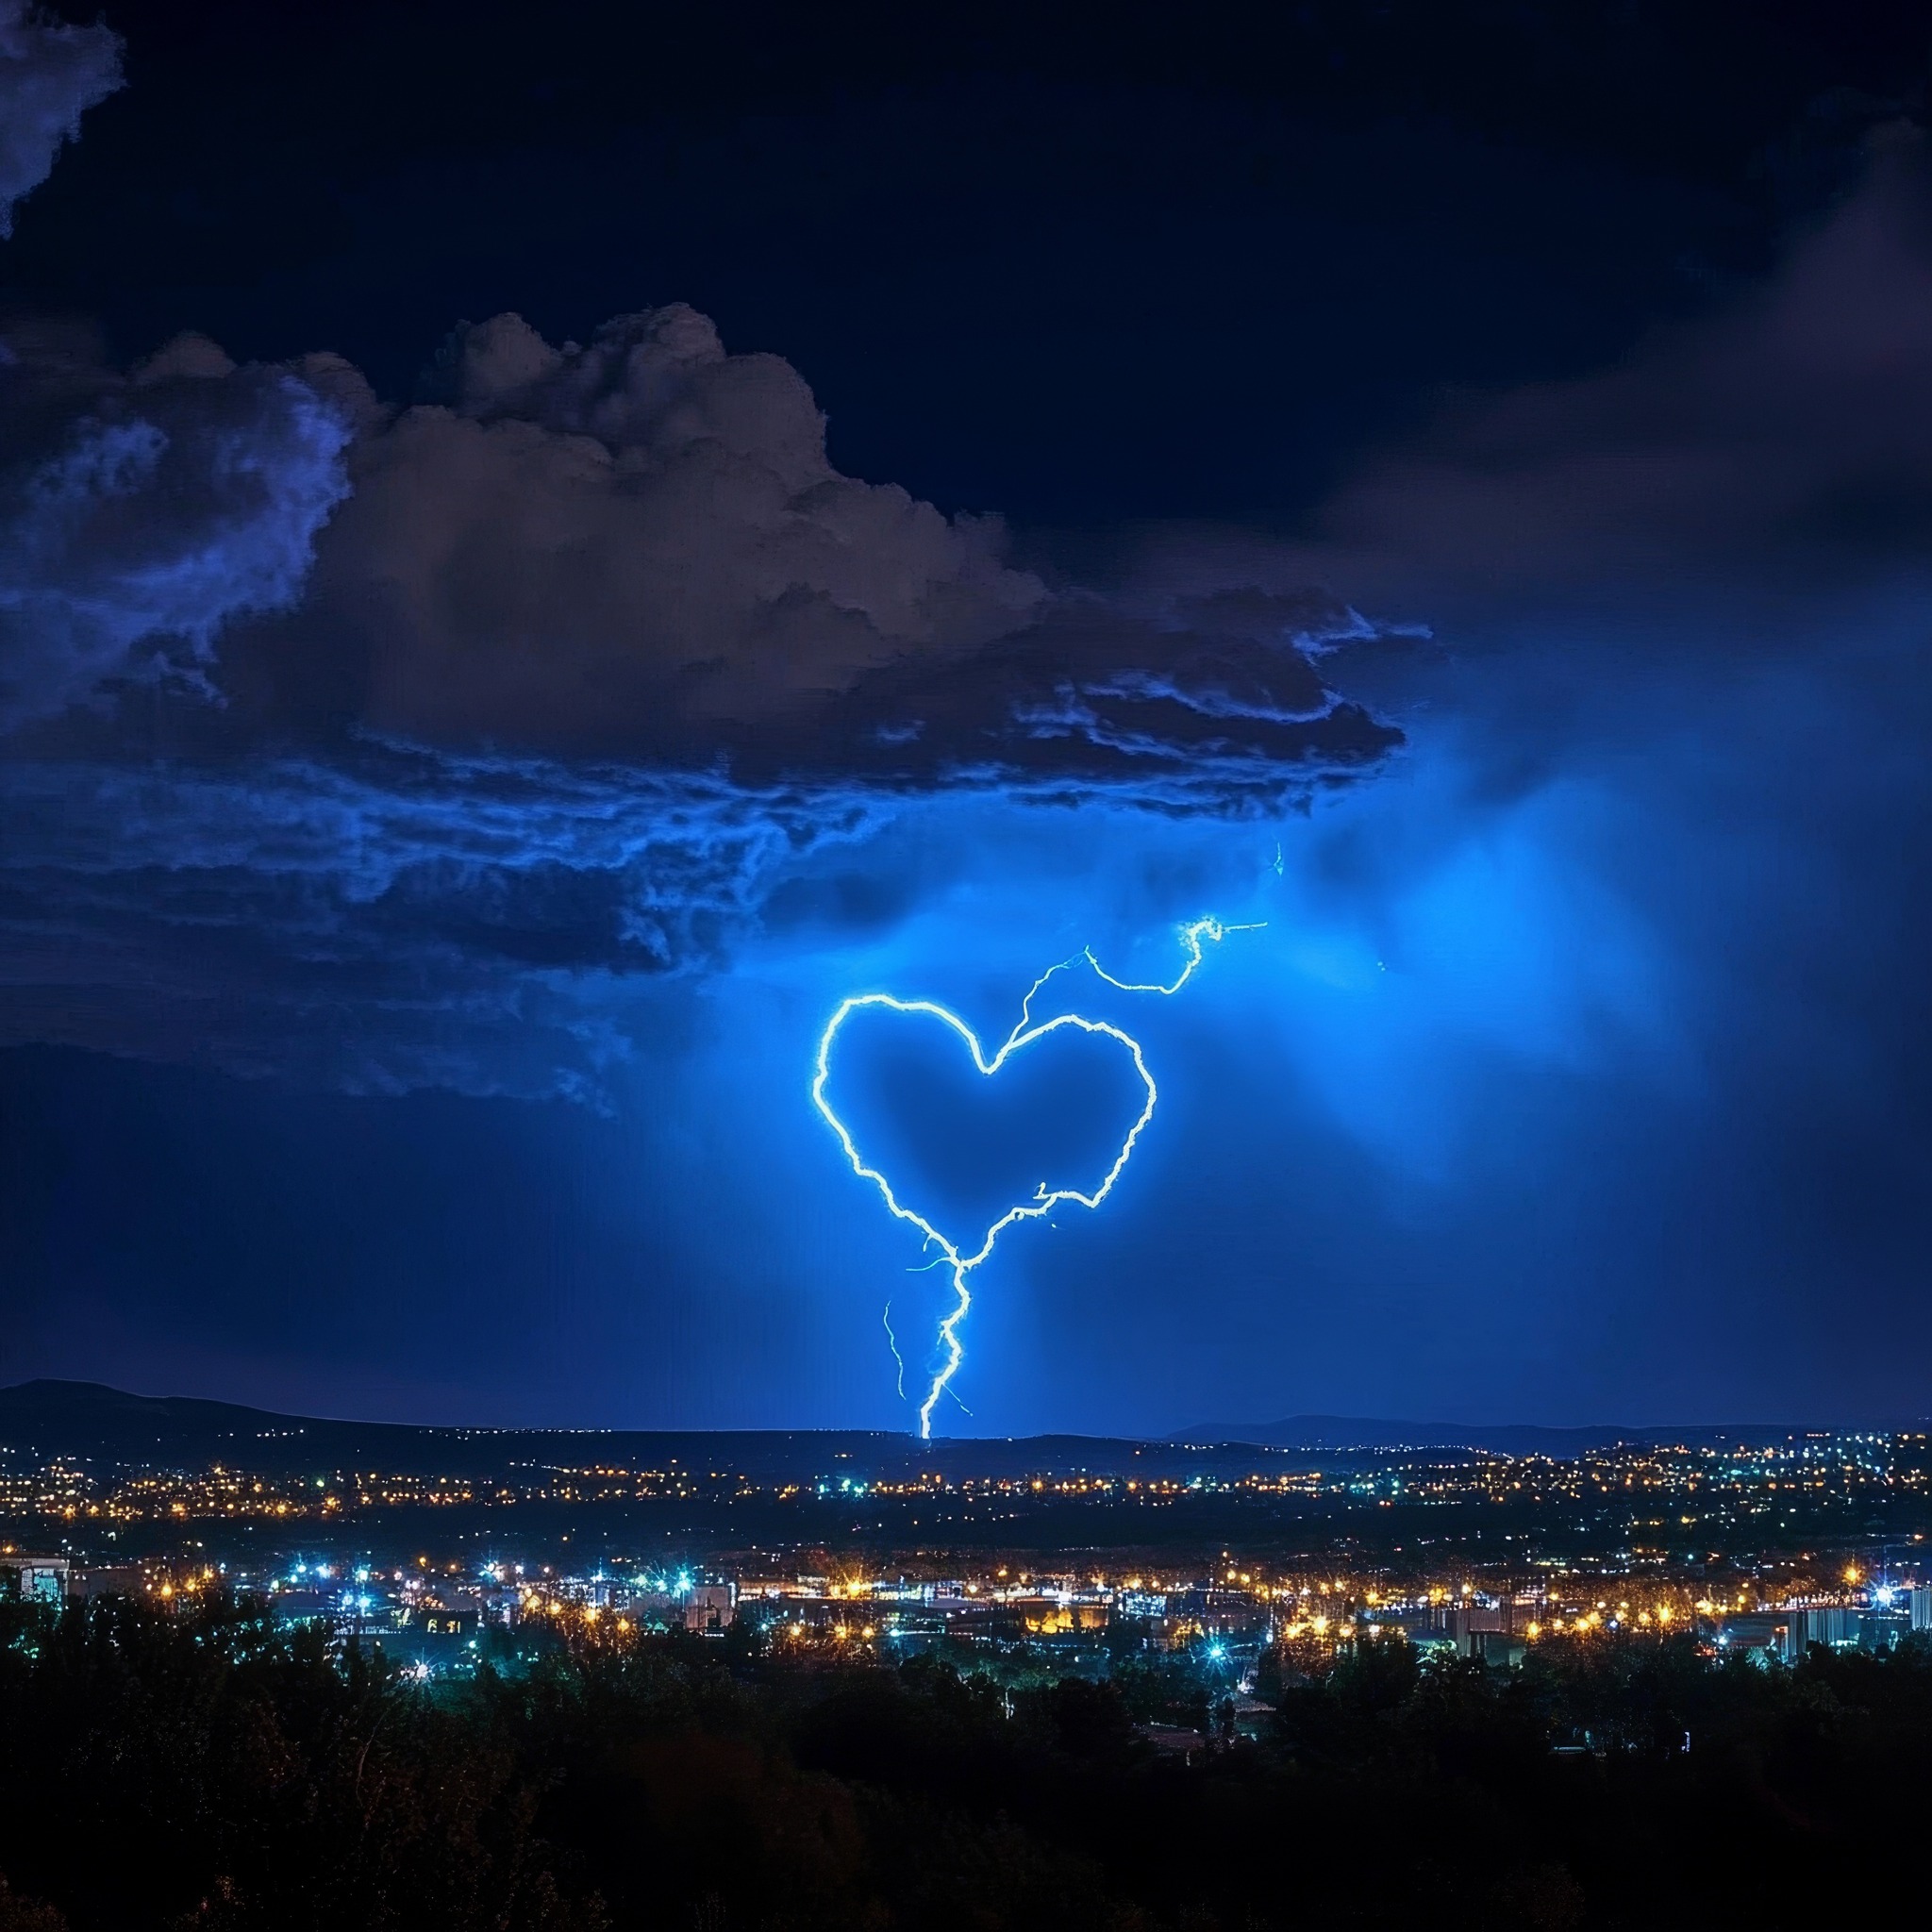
(215, 1771)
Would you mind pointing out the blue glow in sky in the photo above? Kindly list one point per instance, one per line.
(1535, 1101)
(962, 1252)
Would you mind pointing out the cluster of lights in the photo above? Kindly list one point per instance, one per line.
(799, 1632)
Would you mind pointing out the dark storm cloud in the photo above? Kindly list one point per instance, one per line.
(50, 74)
(595, 648)
(1786, 441)
(1211, 705)
(140, 513)
(628, 546)
(638, 549)
(381, 920)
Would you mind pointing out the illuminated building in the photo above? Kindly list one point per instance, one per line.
(40, 1578)
(1835, 1626)
(711, 1609)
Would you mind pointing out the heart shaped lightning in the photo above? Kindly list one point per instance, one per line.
(1023, 1036)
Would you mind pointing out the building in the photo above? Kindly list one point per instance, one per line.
(1762, 1635)
(711, 1609)
(1921, 1607)
(38, 1579)
(1835, 1626)
(1496, 1647)
(1214, 1611)
(434, 1620)
(108, 1579)
(1054, 1613)
(1883, 1629)
(1252, 1716)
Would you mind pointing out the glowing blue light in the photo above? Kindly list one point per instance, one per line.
(892, 1343)
(1023, 1036)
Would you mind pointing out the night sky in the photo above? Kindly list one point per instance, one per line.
(542, 549)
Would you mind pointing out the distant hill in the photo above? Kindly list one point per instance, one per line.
(1505, 1439)
(90, 1423)
(87, 1417)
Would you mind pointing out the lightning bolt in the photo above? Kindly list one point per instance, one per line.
(1044, 1200)
(1191, 943)
(892, 1343)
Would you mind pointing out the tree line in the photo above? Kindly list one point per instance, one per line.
(216, 1769)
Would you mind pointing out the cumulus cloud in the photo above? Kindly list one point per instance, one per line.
(638, 549)
(140, 513)
(50, 74)
(632, 546)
